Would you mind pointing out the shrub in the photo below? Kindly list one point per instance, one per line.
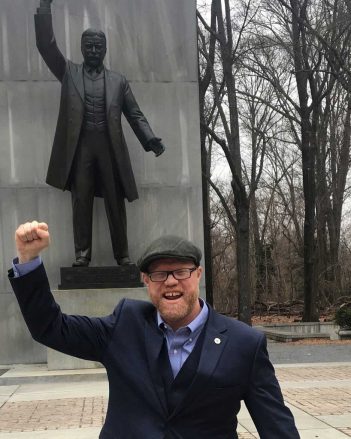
(343, 317)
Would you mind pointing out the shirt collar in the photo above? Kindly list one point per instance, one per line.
(194, 325)
(91, 70)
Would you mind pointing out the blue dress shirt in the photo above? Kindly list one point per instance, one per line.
(26, 267)
(181, 342)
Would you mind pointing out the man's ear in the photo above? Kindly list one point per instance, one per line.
(145, 278)
(199, 271)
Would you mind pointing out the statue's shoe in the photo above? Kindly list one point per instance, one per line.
(81, 262)
(124, 261)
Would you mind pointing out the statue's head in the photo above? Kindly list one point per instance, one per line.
(93, 47)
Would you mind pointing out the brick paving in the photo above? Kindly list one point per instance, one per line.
(321, 401)
(316, 373)
(53, 414)
(319, 391)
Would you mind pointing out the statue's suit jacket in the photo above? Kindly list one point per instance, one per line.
(233, 366)
(119, 99)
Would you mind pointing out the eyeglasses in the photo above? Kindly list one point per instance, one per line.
(181, 274)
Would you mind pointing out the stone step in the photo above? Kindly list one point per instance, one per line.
(284, 336)
(39, 373)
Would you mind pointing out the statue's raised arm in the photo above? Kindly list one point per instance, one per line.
(90, 156)
(46, 42)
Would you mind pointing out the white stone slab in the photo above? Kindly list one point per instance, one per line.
(82, 433)
(306, 421)
(338, 421)
(329, 433)
(37, 392)
(7, 390)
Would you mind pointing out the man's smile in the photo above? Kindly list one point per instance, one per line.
(172, 295)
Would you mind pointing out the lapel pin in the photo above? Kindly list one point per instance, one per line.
(217, 340)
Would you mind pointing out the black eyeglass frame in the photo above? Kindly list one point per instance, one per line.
(173, 273)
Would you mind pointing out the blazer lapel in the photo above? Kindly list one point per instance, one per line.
(78, 81)
(153, 344)
(110, 86)
(213, 346)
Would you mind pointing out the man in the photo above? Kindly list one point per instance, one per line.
(177, 369)
(89, 155)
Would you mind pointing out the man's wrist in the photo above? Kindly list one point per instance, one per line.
(25, 268)
(24, 259)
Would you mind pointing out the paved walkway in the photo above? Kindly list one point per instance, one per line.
(287, 353)
(37, 404)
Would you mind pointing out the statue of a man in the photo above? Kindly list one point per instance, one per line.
(89, 155)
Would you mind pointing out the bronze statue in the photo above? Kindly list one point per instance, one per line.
(89, 155)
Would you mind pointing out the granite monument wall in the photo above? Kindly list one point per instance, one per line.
(153, 43)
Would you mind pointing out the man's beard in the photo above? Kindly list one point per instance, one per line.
(173, 312)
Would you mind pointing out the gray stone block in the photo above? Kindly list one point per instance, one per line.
(148, 40)
(154, 44)
(169, 186)
(91, 303)
(17, 345)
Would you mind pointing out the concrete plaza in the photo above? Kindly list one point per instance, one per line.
(39, 404)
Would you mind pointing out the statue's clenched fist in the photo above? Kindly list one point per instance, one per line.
(45, 3)
(31, 238)
(156, 146)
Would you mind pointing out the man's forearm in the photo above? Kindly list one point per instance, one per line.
(36, 301)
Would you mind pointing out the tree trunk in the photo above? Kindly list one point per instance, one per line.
(311, 312)
(243, 259)
(206, 220)
(308, 164)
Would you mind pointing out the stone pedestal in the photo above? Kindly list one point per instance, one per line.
(92, 303)
(344, 333)
(126, 276)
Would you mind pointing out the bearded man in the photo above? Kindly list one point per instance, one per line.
(177, 369)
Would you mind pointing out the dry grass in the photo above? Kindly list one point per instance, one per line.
(275, 318)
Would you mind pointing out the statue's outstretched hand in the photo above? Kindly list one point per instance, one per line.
(31, 238)
(156, 146)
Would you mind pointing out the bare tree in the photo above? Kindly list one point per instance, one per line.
(275, 78)
(290, 30)
(225, 133)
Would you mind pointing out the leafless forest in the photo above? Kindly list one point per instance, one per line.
(275, 109)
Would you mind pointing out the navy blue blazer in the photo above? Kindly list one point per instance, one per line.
(128, 343)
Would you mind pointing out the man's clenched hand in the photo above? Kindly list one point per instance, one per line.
(31, 238)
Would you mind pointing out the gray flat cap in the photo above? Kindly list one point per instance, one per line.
(169, 246)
